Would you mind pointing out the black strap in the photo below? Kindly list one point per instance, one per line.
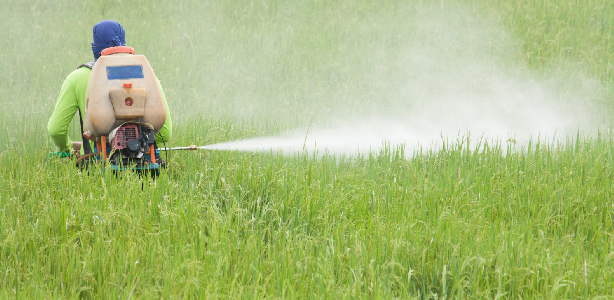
(87, 149)
(88, 65)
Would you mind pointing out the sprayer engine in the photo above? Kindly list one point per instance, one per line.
(132, 145)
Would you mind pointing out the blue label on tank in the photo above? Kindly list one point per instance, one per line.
(124, 72)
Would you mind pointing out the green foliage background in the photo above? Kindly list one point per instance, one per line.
(457, 223)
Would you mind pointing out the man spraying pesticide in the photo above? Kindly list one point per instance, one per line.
(121, 105)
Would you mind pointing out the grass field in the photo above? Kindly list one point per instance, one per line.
(470, 221)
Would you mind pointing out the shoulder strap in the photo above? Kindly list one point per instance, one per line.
(87, 149)
(88, 65)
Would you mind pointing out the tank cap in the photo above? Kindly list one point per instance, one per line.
(118, 49)
(127, 85)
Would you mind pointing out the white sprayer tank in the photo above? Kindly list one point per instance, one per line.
(122, 88)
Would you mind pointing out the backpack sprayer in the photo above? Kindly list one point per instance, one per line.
(123, 111)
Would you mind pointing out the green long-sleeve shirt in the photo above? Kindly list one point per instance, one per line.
(72, 97)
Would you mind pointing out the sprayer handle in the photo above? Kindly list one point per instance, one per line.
(192, 147)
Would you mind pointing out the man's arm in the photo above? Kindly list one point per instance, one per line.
(166, 132)
(64, 111)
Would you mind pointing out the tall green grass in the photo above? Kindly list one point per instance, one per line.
(460, 222)
(464, 222)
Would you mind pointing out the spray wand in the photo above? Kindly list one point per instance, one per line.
(192, 147)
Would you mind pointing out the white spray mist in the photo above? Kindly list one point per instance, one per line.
(457, 74)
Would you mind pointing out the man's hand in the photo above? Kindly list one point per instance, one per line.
(76, 146)
(76, 149)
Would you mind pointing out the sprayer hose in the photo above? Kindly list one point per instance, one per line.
(84, 157)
